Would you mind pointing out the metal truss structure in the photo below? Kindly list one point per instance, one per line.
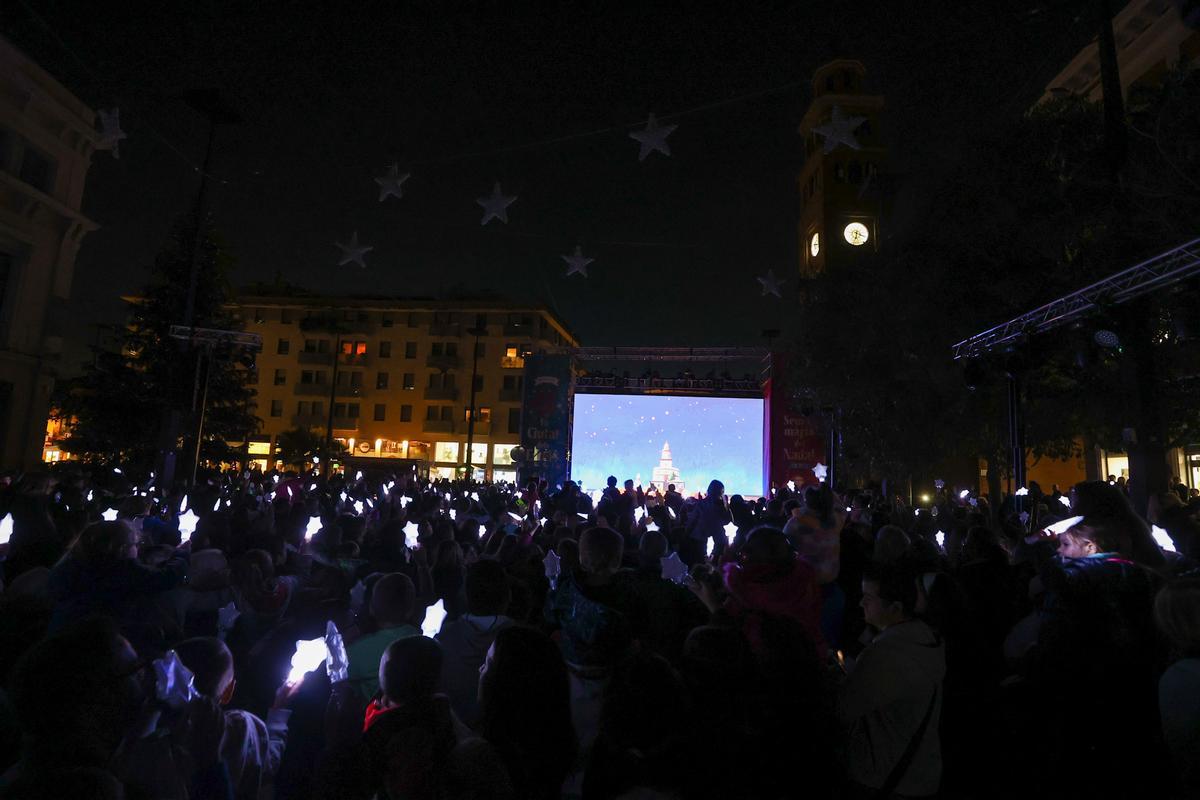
(1163, 270)
(721, 386)
(606, 382)
(710, 355)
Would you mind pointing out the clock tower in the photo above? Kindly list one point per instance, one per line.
(840, 197)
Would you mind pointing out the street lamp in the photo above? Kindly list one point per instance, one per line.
(218, 111)
(477, 331)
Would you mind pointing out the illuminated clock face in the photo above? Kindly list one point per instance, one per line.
(856, 234)
(814, 245)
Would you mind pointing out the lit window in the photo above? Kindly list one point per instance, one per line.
(446, 451)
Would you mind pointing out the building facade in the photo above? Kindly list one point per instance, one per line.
(47, 137)
(1151, 38)
(394, 377)
(840, 201)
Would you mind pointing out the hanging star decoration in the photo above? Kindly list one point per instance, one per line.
(577, 263)
(820, 471)
(770, 284)
(390, 183)
(653, 138)
(353, 253)
(110, 131)
(839, 130)
(495, 206)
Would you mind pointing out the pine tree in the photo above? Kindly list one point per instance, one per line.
(117, 407)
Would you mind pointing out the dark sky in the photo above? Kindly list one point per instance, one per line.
(332, 93)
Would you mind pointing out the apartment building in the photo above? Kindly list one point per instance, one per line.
(47, 137)
(1151, 37)
(394, 377)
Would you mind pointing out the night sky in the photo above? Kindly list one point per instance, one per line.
(710, 437)
(332, 93)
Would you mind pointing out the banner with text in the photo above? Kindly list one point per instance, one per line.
(797, 442)
(546, 418)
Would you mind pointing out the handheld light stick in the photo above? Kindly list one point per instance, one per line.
(434, 616)
(1162, 538)
(310, 654)
(1063, 526)
(313, 527)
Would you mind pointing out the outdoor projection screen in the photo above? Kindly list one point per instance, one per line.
(663, 439)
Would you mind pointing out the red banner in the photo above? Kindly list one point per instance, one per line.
(796, 442)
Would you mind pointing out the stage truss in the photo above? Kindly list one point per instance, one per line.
(1157, 273)
(613, 383)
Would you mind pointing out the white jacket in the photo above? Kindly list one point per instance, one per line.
(882, 704)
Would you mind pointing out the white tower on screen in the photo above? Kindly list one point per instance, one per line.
(666, 473)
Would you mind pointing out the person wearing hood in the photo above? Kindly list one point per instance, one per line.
(465, 641)
(890, 703)
(770, 581)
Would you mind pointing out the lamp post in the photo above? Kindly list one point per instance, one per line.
(476, 331)
(215, 108)
(337, 356)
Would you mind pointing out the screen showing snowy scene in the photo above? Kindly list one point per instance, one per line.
(661, 440)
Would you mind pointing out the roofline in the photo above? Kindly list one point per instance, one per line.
(381, 303)
(55, 90)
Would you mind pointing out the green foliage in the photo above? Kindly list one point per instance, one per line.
(298, 446)
(1030, 214)
(118, 405)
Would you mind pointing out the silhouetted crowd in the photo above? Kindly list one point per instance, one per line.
(286, 635)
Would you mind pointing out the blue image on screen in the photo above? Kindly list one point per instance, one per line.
(663, 439)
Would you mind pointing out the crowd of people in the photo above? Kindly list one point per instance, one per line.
(496, 641)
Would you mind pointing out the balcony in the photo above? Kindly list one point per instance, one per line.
(345, 423)
(512, 362)
(311, 390)
(435, 393)
(438, 426)
(323, 359)
(309, 420)
(361, 360)
(348, 391)
(443, 362)
(510, 395)
(445, 329)
(483, 427)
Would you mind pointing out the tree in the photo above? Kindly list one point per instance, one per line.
(117, 405)
(300, 446)
(1028, 216)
